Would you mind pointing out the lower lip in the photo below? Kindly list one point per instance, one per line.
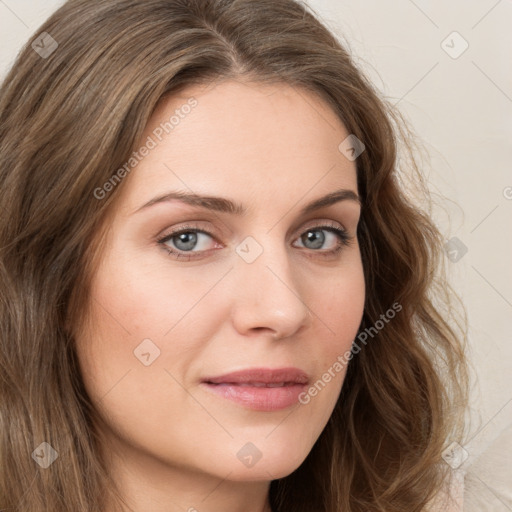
(259, 398)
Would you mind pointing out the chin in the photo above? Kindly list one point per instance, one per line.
(271, 462)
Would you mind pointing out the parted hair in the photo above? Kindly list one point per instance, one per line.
(70, 118)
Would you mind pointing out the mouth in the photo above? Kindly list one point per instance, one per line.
(259, 389)
(254, 384)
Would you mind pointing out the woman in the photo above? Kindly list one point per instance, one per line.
(215, 293)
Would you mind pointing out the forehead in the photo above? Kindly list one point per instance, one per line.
(245, 138)
(247, 111)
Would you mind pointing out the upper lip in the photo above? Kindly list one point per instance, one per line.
(261, 375)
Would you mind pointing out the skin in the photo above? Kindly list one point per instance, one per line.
(172, 444)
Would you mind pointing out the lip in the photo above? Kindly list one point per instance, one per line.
(260, 389)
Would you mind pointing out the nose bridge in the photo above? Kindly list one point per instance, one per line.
(268, 295)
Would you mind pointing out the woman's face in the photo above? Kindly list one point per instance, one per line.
(190, 291)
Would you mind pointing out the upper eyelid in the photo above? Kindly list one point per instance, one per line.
(315, 223)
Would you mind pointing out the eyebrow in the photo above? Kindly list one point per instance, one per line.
(223, 205)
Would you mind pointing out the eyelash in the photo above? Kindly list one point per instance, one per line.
(345, 240)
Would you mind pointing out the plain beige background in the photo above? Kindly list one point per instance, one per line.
(448, 67)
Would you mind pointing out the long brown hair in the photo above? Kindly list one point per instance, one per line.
(72, 109)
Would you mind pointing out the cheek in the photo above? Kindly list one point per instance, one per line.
(142, 313)
(340, 306)
(338, 310)
(138, 298)
(129, 367)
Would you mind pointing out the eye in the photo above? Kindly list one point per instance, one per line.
(185, 240)
(190, 242)
(315, 238)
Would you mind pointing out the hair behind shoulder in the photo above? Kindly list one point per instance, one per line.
(71, 119)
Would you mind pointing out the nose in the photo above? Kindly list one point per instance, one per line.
(267, 297)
